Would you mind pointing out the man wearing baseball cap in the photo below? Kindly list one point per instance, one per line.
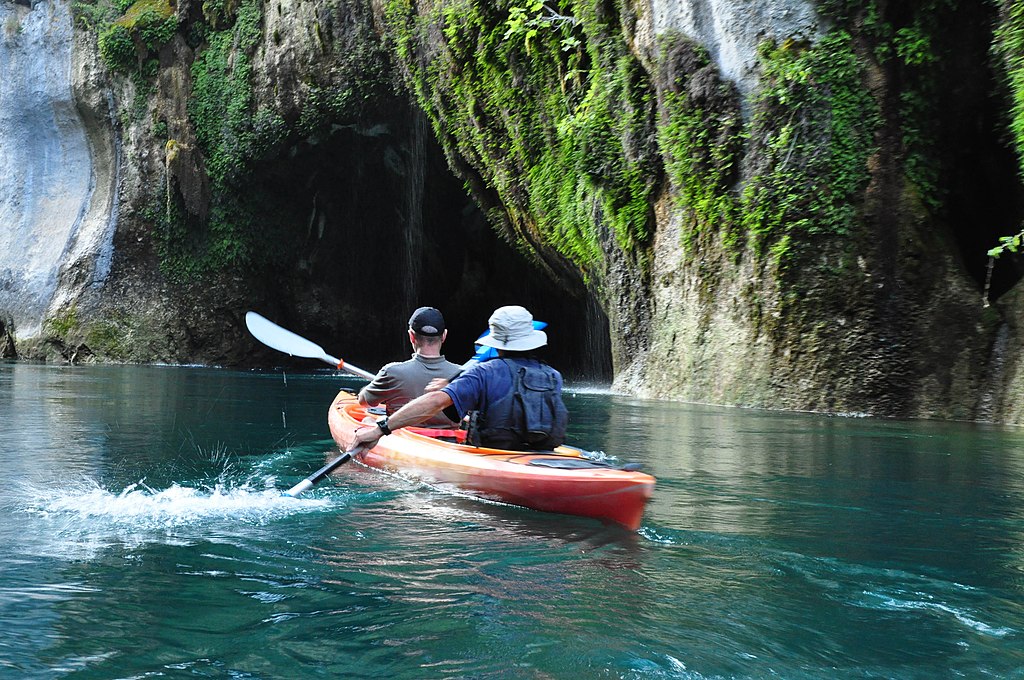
(517, 396)
(398, 383)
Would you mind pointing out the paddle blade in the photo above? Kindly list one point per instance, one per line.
(283, 340)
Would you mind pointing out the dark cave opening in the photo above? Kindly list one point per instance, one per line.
(984, 199)
(380, 226)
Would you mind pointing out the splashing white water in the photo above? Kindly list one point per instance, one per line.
(141, 506)
(76, 521)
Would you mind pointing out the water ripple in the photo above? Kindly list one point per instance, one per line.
(927, 603)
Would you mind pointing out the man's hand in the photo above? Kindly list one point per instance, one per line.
(366, 438)
(416, 411)
(436, 385)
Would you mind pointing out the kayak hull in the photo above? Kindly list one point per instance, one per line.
(514, 477)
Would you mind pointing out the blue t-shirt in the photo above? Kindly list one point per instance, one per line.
(484, 384)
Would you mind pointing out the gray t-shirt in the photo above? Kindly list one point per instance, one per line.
(398, 383)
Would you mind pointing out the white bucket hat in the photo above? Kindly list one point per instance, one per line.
(512, 328)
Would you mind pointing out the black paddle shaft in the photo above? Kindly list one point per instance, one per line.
(329, 468)
(308, 482)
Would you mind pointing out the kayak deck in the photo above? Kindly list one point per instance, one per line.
(525, 478)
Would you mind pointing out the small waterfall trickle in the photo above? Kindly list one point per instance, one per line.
(597, 346)
(412, 234)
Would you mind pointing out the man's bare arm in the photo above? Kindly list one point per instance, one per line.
(416, 411)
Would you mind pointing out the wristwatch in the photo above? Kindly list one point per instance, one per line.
(383, 425)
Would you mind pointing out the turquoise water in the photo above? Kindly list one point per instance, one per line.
(144, 537)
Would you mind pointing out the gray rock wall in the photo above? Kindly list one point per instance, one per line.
(55, 206)
(902, 333)
(731, 30)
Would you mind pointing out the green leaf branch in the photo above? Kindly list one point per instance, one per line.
(1008, 244)
(526, 22)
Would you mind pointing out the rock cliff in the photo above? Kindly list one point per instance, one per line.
(783, 204)
(225, 157)
(58, 166)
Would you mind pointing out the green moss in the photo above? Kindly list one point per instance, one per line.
(701, 146)
(110, 338)
(64, 323)
(556, 119)
(222, 113)
(232, 237)
(818, 124)
(144, 27)
(923, 84)
(911, 52)
(117, 48)
(220, 13)
(146, 13)
(323, 106)
(93, 15)
(234, 137)
(1009, 46)
(237, 138)
(221, 104)
(558, 122)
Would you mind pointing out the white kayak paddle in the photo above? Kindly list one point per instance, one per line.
(283, 340)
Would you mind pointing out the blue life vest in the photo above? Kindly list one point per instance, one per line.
(531, 416)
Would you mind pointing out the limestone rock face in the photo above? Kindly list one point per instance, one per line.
(56, 197)
(260, 156)
(812, 237)
(884, 320)
(730, 30)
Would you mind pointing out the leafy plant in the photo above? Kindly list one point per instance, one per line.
(1009, 46)
(1011, 244)
(95, 14)
(817, 122)
(117, 48)
(221, 105)
(914, 46)
(526, 22)
(145, 26)
(64, 323)
(700, 141)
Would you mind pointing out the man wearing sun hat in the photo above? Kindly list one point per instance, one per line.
(518, 397)
(398, 383)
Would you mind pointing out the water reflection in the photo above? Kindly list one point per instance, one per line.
(864, 489)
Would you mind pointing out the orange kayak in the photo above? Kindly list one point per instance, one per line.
(561, 481)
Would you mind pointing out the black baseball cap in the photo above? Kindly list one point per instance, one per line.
(427, 321)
